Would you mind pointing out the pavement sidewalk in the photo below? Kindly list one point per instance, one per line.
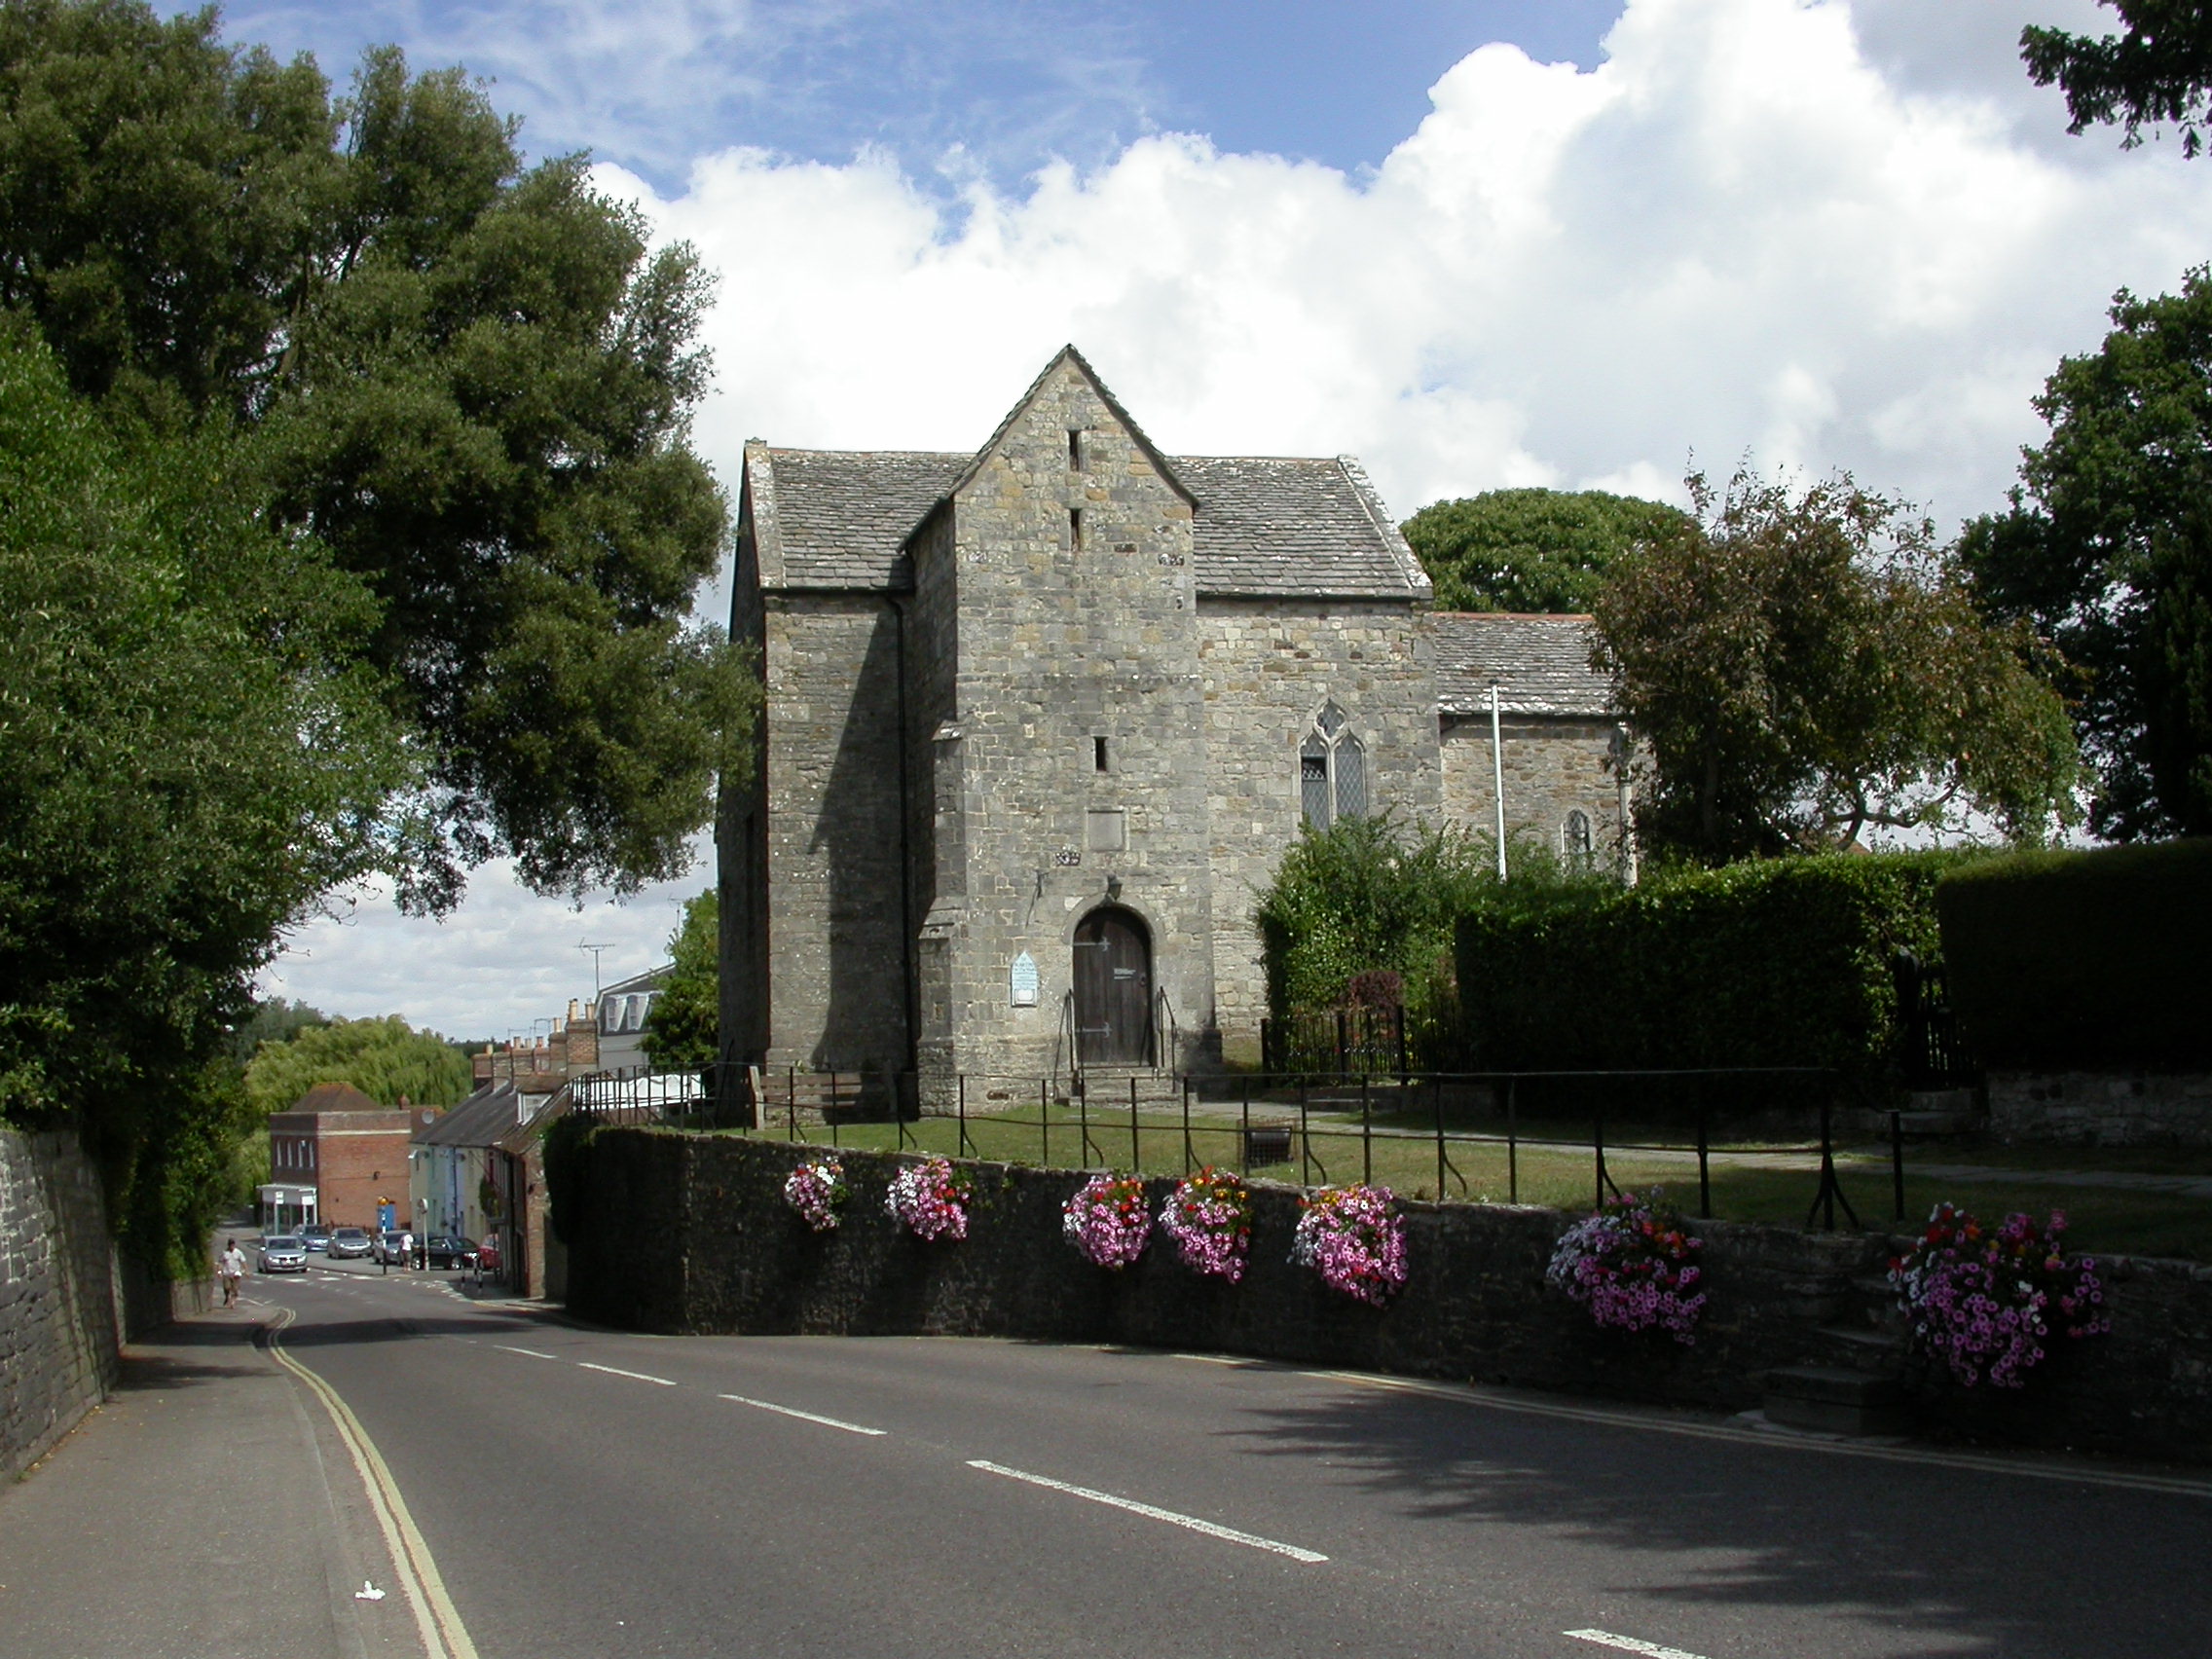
(207, 1511)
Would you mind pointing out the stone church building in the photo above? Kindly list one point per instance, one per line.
(1041, 719)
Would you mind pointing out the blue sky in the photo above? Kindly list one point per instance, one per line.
(999, 84)
(1582, 243)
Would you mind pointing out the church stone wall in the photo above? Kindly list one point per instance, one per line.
(1062, 643)
(1267, 668)
(1552, 767)
(836, 952)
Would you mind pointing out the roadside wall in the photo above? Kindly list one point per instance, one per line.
(689, 1233)
(58, 1294)
(2103, 1108)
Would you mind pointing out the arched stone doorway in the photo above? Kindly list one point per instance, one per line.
(1112, 988)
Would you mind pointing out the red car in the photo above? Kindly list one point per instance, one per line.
(488, 1254)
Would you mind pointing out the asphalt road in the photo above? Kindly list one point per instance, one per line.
(591, 1494)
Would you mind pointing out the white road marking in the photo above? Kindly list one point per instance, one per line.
(510, 1348)
(809, 1417)
(1629, 1644)
(633, 1376)
(1190, 1522)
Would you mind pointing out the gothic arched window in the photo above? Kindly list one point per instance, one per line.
(1331, 770)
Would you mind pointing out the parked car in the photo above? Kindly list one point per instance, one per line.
(314, 1236)
(348, 1243)
(488, 1254)
(444, 1250)
(282, 1253)
(393, 1248)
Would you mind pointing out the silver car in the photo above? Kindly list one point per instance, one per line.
(283, 1254)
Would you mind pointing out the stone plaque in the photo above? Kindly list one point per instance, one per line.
(1021, 981)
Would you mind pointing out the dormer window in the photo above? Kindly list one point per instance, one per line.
(1331, 770)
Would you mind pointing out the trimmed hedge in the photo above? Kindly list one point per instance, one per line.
(1782, 962)
(2074, 960)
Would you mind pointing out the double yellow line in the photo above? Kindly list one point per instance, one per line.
(444, 1635)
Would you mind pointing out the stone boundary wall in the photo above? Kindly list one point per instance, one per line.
(58, 1294)
(689, 1233)
(2103, 1108)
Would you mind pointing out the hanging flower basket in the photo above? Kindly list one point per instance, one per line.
(1355, 1239)
(1631, 1265)
(1988, 1301)
(1107, 1221)
(931, 1197)
(1209, 1217)
(818, 1191)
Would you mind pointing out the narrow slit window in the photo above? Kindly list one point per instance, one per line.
(1074, 528)
(1075, 451)
(1099, 754)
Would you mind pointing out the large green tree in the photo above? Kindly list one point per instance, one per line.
(2107, 551)
(1808, 663)
(469, 378)
(2157, 71)
(682, 1028)
(189, 766)
(384, 1058)
(1529, 550)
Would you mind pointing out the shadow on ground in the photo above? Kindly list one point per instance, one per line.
(1950, 1562)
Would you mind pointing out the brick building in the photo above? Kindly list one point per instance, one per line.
(350, 1149)
(1040, 721)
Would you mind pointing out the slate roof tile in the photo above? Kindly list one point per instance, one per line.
(1541, 665)
(844, 514)
(1266, 527)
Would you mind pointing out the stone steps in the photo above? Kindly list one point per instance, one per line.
(1830, 1399)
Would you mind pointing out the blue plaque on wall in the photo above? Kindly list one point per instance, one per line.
(1021, 981)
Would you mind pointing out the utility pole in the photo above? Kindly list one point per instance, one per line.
(1498, 776)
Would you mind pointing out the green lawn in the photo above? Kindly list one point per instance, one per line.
(1559, 1170)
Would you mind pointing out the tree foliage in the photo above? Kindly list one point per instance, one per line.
(190, 766)
(1529, 550)
(2157, 71)
(468, 378)
(684, 1026)
(1805, 664)
(2107, 551)
(273, 1020)
(1382, 893)
(384, 1058)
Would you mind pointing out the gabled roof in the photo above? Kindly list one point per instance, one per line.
(337, 1098)
(839, 519)
(1069, 355)
(651, 979)
(479, 1121)
(1262, 527)
(1270, 526)
(1541, 665)
(522, 1138)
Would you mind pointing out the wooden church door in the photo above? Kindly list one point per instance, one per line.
(1112, 989)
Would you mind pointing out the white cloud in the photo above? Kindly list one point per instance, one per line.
(1744, 231)
(508, 958)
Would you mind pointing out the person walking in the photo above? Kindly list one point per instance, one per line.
(231, 1265)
